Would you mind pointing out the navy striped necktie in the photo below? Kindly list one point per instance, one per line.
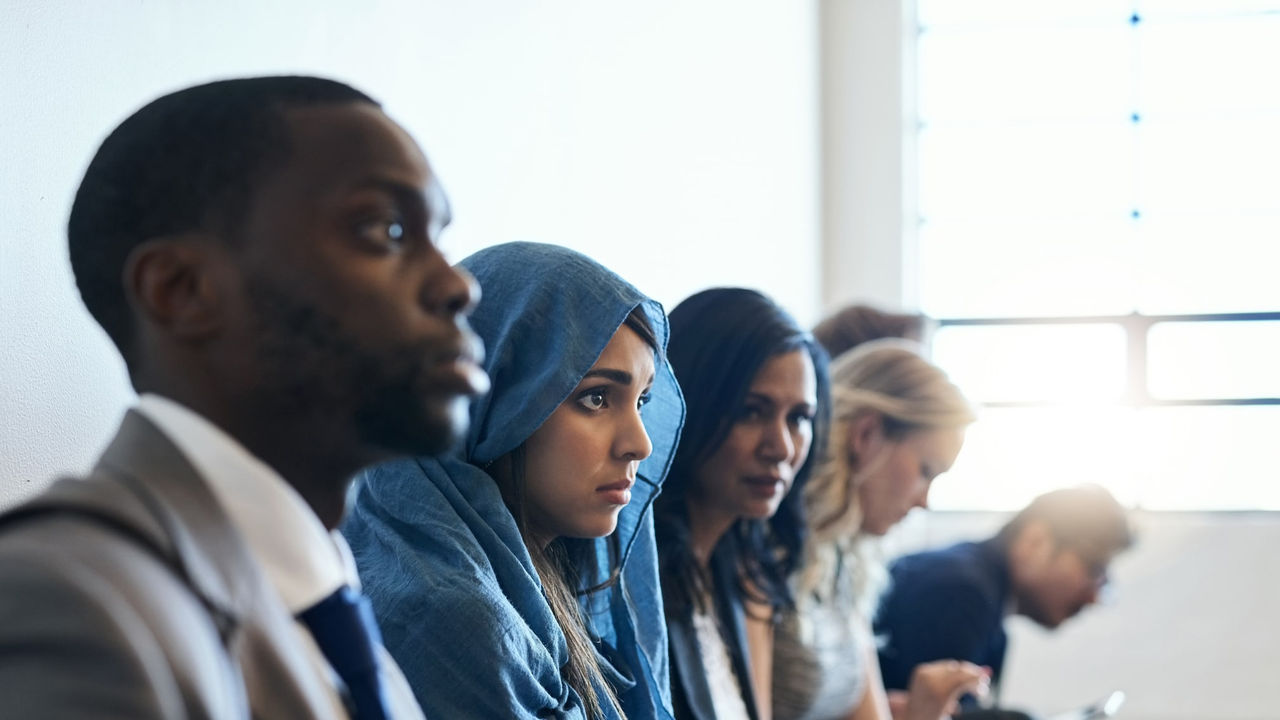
(343, 626)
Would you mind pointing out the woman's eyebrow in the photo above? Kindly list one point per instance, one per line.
(622, 377)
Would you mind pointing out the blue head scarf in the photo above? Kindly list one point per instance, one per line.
(440, 555)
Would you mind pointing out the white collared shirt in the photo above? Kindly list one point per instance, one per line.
(304, 561)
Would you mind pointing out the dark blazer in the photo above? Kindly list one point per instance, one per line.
(944, 604)
(129, 594)
(690, 693)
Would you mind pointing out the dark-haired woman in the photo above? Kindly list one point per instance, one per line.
(730, 521)
(496, 573)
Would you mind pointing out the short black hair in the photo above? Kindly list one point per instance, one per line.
(186, 161)
(720, 338)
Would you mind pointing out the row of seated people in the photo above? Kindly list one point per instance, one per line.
(329, 502)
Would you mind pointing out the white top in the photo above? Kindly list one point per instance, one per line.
(820, 652)
(304, 562)
(726, 693)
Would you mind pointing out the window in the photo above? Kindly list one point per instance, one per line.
(1099, 234)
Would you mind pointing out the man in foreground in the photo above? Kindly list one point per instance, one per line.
(263, 254)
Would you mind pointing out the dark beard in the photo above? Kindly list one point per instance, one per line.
(309, 365)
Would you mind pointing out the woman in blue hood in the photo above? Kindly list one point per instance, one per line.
(517, 576)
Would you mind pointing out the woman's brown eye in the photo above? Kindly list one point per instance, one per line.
(593, 399)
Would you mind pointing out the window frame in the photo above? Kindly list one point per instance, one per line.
(1136, 327)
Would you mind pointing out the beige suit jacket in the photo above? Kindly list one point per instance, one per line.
(129, 594)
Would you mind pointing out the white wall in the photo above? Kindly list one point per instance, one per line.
(868, 179)
(676, 142)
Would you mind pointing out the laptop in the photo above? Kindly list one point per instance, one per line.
(1104, 708)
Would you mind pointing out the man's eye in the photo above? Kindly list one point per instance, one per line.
(387, 232)
(593, 399)
(644, 400)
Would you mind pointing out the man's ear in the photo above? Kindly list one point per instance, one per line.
(866, 434)
(1033, 547)
(173, 283)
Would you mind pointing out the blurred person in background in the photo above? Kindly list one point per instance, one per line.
(855, 324)
(897, 424)
(1048, 564)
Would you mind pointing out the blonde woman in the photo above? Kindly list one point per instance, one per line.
(897, 423)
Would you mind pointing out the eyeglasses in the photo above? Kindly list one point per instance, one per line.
(1096, 569)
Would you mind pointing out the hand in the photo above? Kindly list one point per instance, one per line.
(936, 686)
(898, 700)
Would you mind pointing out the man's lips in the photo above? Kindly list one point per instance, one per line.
(477, 379)
(461, 363)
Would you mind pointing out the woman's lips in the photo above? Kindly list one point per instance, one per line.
(764, 486)
(618, 493)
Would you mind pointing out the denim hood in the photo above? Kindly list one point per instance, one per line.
(441, 556)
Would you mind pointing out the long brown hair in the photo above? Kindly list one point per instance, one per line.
(560, 564)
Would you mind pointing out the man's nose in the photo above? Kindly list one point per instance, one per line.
(451, 291)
